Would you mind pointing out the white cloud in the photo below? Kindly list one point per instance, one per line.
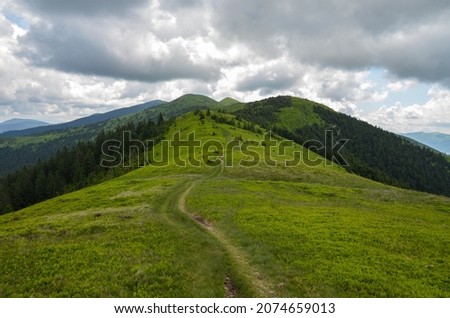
(429, 117)
(79, 57)
(401, 85)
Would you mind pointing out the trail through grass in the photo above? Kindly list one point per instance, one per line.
(258, 285)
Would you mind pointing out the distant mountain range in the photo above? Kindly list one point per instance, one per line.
(90, 120)
(20, 124)
(437, 141)
(19, 148)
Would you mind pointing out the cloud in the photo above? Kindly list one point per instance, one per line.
(82, 7)
(405, 37)
(431, 116)
(269, 79)
(76, 57)
(107, 48)
(401, 85)
(151, 40)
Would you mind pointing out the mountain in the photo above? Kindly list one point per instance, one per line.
(170, 110)
(228, 101)
(224, 216)
(438, 141)
(19, 124)
(369, 152)
(27, 147)
(360, 147)
(22, 148)
(90, 120)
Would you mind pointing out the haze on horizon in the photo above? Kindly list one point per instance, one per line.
(382, 61)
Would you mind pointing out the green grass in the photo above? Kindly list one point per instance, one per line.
(119, 239)
(228, 101)
(299, 115)
(17, 142)
(328, 241)
(275, 231)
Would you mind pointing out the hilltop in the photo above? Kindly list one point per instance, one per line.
(232, 225)
(358, 146)
(353, 144)
(228, 101)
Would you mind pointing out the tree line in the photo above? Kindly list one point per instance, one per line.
(73, 168)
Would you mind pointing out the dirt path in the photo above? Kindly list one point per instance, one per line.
(239, 259)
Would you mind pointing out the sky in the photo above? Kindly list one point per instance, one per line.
(383, 61)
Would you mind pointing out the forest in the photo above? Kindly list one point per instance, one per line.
(73, 168)
(370, 151)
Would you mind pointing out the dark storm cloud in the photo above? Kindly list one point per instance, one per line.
(409, 38)
(83, 7)
(174, 5)
(268, 81)
(115, 47)
(78, 53)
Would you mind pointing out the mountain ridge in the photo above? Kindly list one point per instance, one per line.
(228, 101)
(89, 120)
(438, 141)
(365, 150)
(20, 124)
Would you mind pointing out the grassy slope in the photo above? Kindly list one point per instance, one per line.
(274, 231)
(228, 101)
(370, 152)
(42, 146)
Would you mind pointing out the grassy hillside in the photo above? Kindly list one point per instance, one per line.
(369, 151)
(18, 150)
(223, 230)
(228, 101)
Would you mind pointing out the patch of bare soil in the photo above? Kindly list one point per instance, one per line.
(230, 290)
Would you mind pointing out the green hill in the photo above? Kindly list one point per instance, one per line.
(233, 226)
(27, 147)
(228, 101)
(370, 152)
(68, 160)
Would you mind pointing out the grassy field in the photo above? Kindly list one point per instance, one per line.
(123, 238)
(229, 230)
(17, 142)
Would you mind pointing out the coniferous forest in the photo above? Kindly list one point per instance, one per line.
(74, 168)
(370, 152)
